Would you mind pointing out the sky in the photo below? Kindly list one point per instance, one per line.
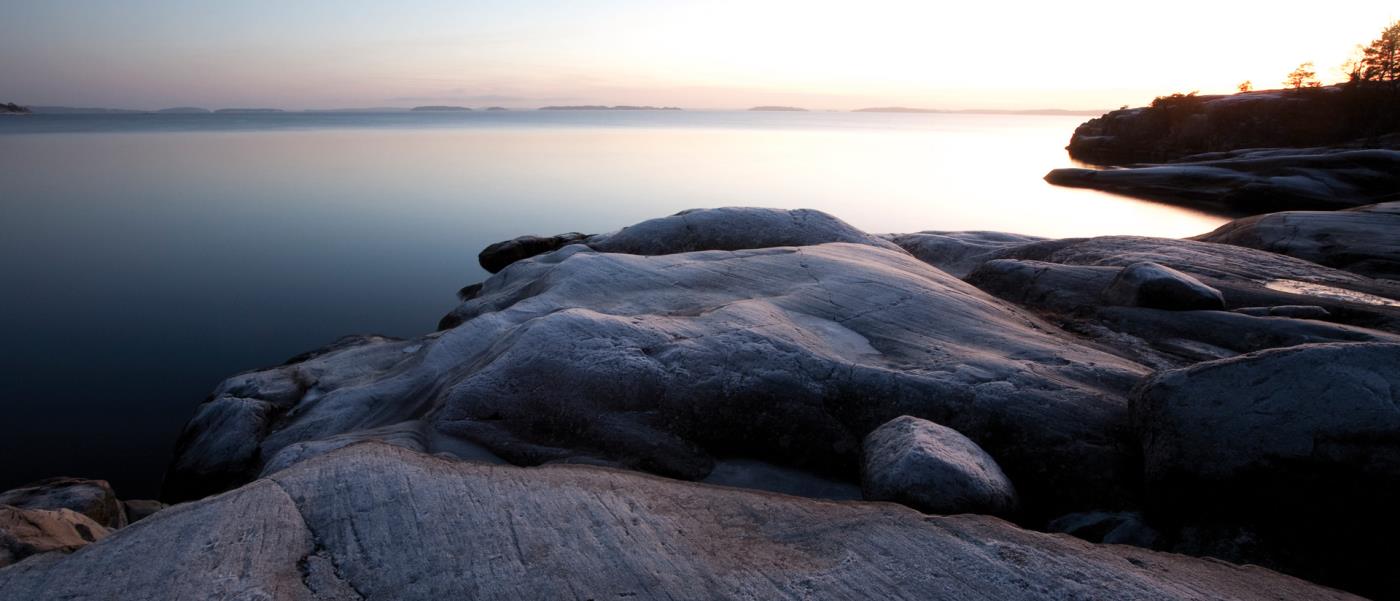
(148, 54)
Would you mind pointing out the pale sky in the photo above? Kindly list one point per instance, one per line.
(722, 54)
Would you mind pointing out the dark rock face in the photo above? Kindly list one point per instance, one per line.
(934, 469)
(377, 522)
(1300, 446)
(1114, 528)
(25, 532)
(1254, 181)
(92, 498)
(1189, 125)
(140, 509)
(497, 256)
(1364, 240)
(1147, 284)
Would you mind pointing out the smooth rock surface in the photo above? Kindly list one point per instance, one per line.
(933, 469)
(372, 521)
(1257, 181)
(25, 532)
(1286, 456)
(725, 228)
(785, 355)
(1274, 420)
(92, 498)
(1147, 284)
(958, 253)
(1245, 277)
(1364, 240)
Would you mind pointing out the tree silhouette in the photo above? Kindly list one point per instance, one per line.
(1303, 77)
(1380, 61)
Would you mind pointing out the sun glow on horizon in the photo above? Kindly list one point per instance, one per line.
(724, 54)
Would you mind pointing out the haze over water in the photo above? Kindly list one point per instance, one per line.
(146, 257)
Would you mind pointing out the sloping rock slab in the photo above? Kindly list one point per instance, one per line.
(376, 522)
(1364, 240)
(663, 363)
(1255, 181)
(1245, 276)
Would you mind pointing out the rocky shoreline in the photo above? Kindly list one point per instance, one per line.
(1327, 148)
(683, 408)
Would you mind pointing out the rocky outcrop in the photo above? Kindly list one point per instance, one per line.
(1299, 447)
(673, 361)
(761, 349)
(92, 498)
(1254, 181)
(1364, 240)
(1183, 125)
(934, 469)
(62, 515)
(373, 521)
(26, 532)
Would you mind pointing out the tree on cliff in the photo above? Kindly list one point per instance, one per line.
(1303, 77)
(1246, 86)
(1380, 61)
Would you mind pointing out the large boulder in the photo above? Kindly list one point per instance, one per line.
(1364, 240)
(373, 521)
(1276, 420)
(1147, 284)
(933, 469)
(92, 498)
(669, 363)
(1298, 447)
(25, 532)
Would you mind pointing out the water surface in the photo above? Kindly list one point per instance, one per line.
(146, 257)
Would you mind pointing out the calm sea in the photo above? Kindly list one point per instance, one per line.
(146, 257)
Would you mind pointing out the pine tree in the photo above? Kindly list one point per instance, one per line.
(1381, 60)
(1302, 77)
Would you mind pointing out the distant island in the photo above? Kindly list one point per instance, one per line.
(793, 109)
(593, 107)
(185, 110)
(250, 111)
(439, 109)
(1051, 112)
(10, 108)
(497, 108)
(72, 110)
